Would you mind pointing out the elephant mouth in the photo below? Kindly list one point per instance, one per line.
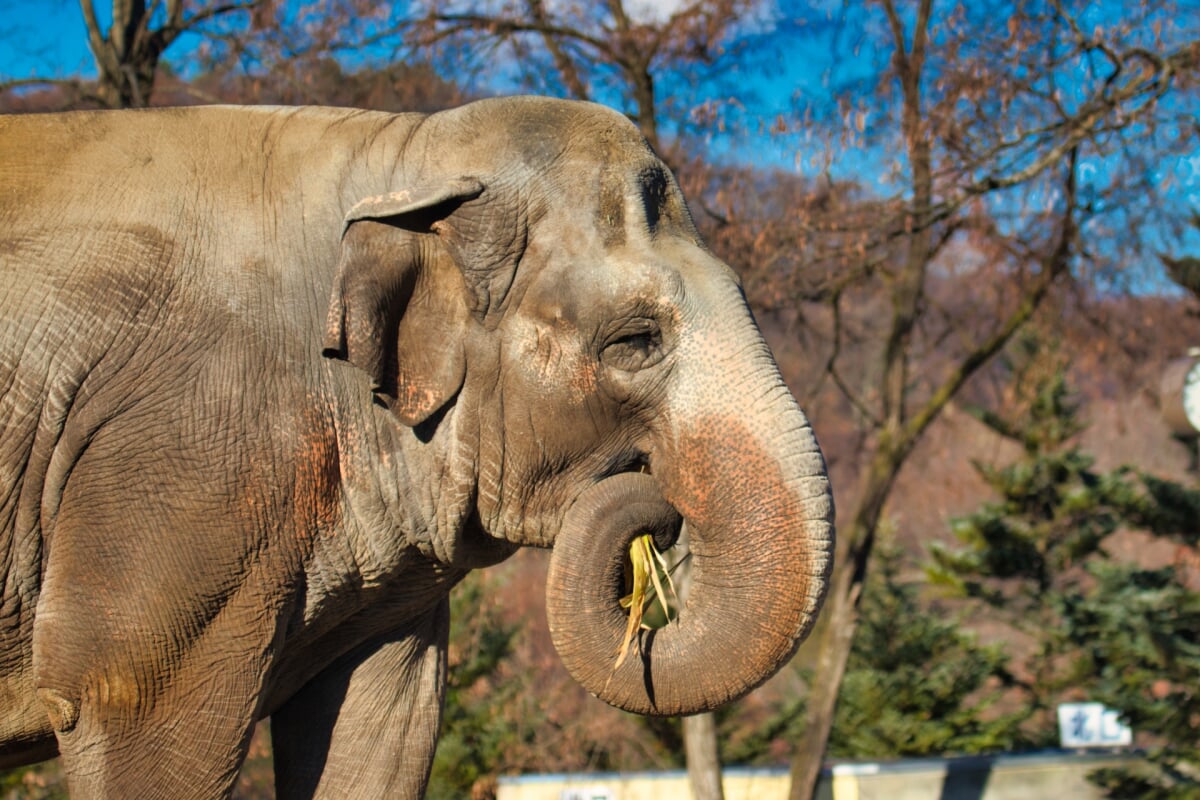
(663, 524)
(635, 462)
(589, 569)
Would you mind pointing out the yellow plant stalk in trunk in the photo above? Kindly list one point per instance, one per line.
(647, 566)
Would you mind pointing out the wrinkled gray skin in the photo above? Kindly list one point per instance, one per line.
(273, 380)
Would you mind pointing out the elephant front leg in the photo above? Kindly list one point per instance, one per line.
(150, 666)
(135, 718)
(180, 747)
(367, 726)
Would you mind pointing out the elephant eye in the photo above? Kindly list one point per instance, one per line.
(636, 345)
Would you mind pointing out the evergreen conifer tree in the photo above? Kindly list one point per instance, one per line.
(1124, 634)
(917, 684)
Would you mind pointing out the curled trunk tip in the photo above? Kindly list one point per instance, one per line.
(749, 606)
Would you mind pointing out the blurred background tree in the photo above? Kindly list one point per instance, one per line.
(1185, 270)
(637, 56)
(1142, 654)
(989, 133)
(128, 44)
(916, 683)
(1093, 626)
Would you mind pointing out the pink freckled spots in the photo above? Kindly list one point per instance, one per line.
(403, 196)
(722, 474)
(417, 400)
(583, 378)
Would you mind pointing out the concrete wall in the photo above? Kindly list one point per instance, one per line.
(1056, 776)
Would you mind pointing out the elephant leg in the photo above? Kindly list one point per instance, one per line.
(126, 732)
(135, 719)
(367, 726)
(151, 694)
(194, 752)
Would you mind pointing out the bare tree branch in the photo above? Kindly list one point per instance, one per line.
(567, 69)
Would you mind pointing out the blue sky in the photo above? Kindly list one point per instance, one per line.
(43, 37)
(47, 38)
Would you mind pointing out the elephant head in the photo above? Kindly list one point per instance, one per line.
(531, 298)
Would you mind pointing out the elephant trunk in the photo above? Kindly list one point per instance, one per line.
(753, 490)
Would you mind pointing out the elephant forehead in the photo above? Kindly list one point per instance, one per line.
(637, 199)
(586, 294)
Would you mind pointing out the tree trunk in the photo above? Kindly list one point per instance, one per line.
(703, 757)
(836, 635)
(840, 620)
(897, 433)
(701, 749)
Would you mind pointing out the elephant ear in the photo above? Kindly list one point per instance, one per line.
(398, 306)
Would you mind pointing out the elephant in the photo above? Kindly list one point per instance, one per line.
(273, 380)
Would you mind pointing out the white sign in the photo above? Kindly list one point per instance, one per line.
(590, 793)
(1091, 725)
